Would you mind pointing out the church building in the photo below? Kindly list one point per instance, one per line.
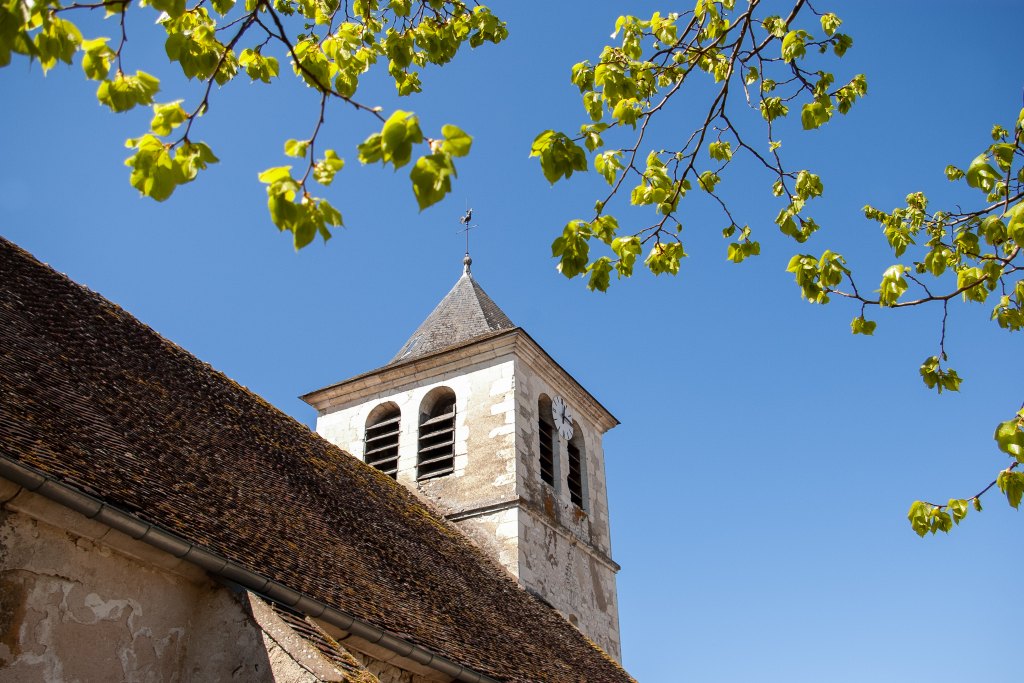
(473, 414)
(159, 522)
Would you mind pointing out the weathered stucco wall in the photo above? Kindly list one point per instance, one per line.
(73, 609)
(82, 602)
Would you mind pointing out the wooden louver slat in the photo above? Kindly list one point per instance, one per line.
(575, 479)
(436, 452)
(438, 418)
(547, 452)
(380, 444)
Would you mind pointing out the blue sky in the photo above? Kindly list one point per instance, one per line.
(766, 459)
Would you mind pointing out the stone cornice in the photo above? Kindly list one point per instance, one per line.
(487, 349)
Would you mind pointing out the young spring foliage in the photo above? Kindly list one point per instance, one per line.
(779, 65)
(762, 67)
(330, 46)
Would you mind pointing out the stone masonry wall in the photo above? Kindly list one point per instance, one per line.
(565, 551)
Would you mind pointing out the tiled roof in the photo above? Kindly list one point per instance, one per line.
(97, 400)
(465, 313)
(326, 646)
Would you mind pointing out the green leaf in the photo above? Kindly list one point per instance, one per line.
(431, 178)
(173, 8)
(1010, 438)
(829, 23)
(841, 43)
(981, 175)
(741, 251)
(325, 169)
(126, 92)
(400, 132)
(953, 173)
(793, 45)
(258, 67)
(935, 377)
(572, 249)
(456, 141)
(665, 258)
(96, 58)
(773, 108)
(958, 508)
(400, 7)
(627, 111)
(275, 175)
(860, 325)
(893, 285)
(167, 117)
(604, 228)
(708, 180)
(370, 151)
(58, 41)
(920, 515)
(296, 148)
(1012, 484)
(720, 151)
(158, 169)
(600, 274)
(298, 213)
(627, 249)
(608, 164)
(814, 114)
(559, 156)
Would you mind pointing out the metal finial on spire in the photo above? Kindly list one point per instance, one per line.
(465, 220)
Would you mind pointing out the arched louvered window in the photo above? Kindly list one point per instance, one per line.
(436, 456)
(548, 441)
(577, 479)
(380, 448)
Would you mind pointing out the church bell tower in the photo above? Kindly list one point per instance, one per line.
(473, 415)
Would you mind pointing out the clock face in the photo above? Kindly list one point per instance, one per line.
(562, 415)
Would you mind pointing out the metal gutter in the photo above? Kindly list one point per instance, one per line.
(97, 510)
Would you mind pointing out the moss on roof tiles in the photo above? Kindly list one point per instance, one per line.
(96, 399)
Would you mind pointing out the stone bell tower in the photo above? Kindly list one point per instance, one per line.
(472, 414)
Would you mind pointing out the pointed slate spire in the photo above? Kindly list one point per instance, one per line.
(465, 313)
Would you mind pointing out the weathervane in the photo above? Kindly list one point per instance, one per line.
(466, 221)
